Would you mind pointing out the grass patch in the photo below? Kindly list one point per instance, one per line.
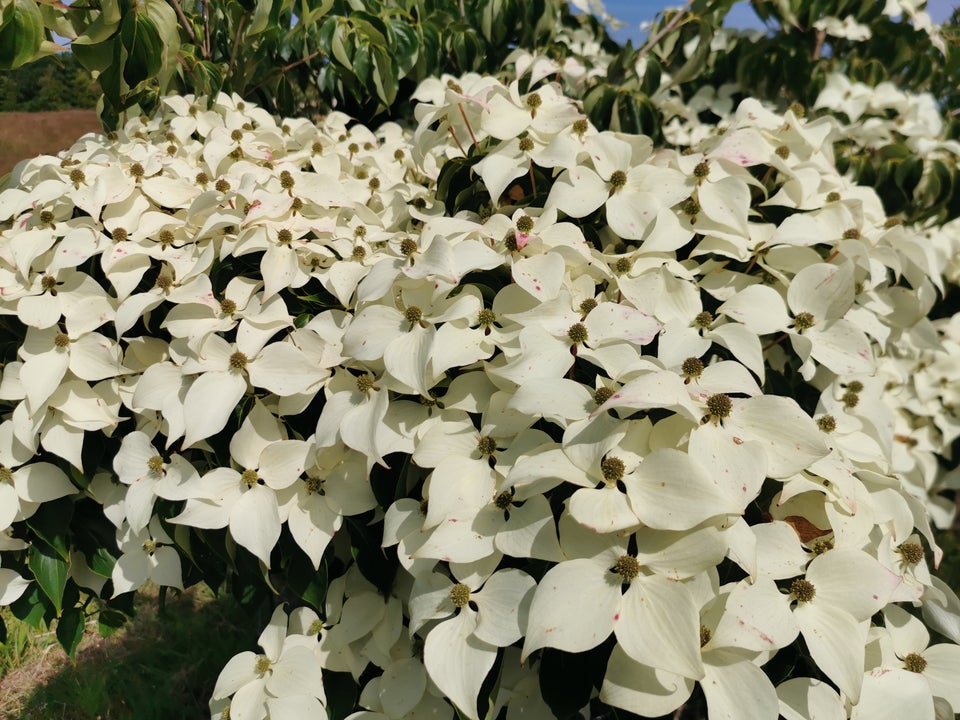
(155, 668)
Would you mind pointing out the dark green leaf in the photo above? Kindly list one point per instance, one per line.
(51, 572)
(144, 46)
(51, 523)
(310, 585)
(21, 34)
(70, 629)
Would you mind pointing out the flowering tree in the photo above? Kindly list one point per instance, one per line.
(506, 407)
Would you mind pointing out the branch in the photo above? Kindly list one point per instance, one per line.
(206, 29)
(184, 21)
(666, 29)
(818, 48)
(236, 46)
(285, 68)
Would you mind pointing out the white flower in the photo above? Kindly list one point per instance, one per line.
(147, 555)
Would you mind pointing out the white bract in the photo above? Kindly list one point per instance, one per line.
(624, 414)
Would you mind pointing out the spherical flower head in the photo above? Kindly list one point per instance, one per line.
(587, 305)
(850, 399)
(580, 126)
(413, 314)
(911, 552)
(316, 627)
(164, 282)
(827, 423)
(46, 217)
(165, 237)
(690, 206)
(49, 284)
(798, 109)
(459, 595)
(533, 101)
(486, 317)
(719, 405)
(284, 236)
(228, 306)
(783, 152)
(455, 86)
(486, 445)
(374, 184)
(803, 590)
(236, 135)
(525, 144)
(359, 253)
(524, 224)
(851, 234)
(821, 546)
(296, 204)
(627, 567)
(150, 546)
(61, 340)
(804, 321)
(365, 383)
(692, 368)
(286, 180)
(855, 386)
(622, 265)
(617, 180)
(612, 469)
(77, 177)
(504, 500)
(915, 663)
(510, 242)
(314, 485)
(703, 320)
(702, 170)
(201, 178)
(705, 635)
(263, 665)
(577, 333)
(602, 394)
(833, 196)
(238, 361)
(249, 478)
(222, 186)
(120, 234)
(6, 474)
(137, 171)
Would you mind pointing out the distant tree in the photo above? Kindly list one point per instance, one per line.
(56, 82)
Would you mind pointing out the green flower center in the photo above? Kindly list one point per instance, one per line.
(238, 361)
(602, 394)
(228, 306)
(359, 253)
(622, 265)
(150, 546)
(155, 465)
(705, 635)
(263, 665)
(165, 237)
(202, 178)
(61, 340)
(627, 567)
(827, 423)
(486, 445)
(77, 177)
(46, 217)
(612, 469)
(850, 399)
(365, 383)
(692, 367)
(915, 662)
(833, 197)
(459, 595)
(804, 321)
(249, 478)
(486, 317)
(719, 405)
(578, 333)
(408, 247)
(580, 126)
(587, 305)
(911, 552)
(534, 101)
(822, 546)
(504, 500)
(314, 485)
(316, 627)
(783, 151)
(803, 590)
(526, 144)
(703, 320)
(6, 474)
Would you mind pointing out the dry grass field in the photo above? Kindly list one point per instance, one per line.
(25, 135)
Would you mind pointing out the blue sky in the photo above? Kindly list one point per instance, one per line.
(634, 12)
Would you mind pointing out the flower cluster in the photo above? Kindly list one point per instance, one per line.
(681, 409)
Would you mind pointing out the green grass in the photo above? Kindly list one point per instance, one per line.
(153, 669)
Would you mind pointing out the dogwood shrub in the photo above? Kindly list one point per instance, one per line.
(503, 414)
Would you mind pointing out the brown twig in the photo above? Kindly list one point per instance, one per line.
(456, 140)
(285, 68)
(236, 46)
(473, 137)
(183, 19)
(206, 29)
(818, 48)
(669, 27)
(533, 180)
(775, 341)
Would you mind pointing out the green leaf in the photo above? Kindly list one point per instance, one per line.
(51, 523)
(406, 46)
(30, 607)
(21, 34)
(310, 585)
(51, 572)
(109, 621)
(70, 629)
(144, 46)
(908, 174)
(385, 76)
(102, 562)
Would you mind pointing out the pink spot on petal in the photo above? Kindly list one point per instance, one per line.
(616, 617)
